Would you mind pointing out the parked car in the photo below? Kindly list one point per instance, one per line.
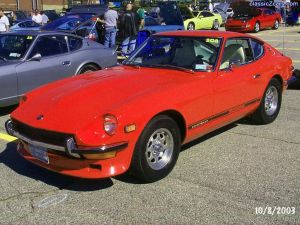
(224, 10)
(27, 24)
(16, 16)
(29, 59)
(175, 88)
(203, 20)
(253, 19)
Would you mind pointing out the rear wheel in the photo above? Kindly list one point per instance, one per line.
(157, 149)
(270, 105)
(87, 69)
(191, 26)
(216, 25)
(276, 25)
(256, 27)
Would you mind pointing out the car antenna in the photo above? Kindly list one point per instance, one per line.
(284, 29)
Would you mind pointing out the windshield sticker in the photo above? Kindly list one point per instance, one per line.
(200, 67)
(29, 37)
(15, 55)
(212, 40)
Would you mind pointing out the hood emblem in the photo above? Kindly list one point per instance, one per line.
(40, 117)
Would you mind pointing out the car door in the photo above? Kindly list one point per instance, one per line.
(54, 64)
(230, 85)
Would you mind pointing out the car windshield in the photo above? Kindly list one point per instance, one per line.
(14, 47)
(186, 53)
(68, 22)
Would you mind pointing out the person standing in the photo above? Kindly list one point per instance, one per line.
(4, 22)
(45, 18)
(36, 17)
(110, 25)
(130, 30)
(141, 15)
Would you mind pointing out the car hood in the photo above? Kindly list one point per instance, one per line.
(244, 9)
(72, 104)
(222, 6)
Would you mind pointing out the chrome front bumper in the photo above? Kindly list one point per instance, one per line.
(70, 147)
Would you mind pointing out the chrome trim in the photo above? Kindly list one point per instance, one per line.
(37, 143)
(70, 144)
(72, 149)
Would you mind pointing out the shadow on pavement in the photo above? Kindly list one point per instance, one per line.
(7, 110)
(11, 158)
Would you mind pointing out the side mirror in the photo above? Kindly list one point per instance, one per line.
(37, 57)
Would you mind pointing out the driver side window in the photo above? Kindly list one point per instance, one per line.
(50, 46)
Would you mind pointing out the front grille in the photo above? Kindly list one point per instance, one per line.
(44, 136)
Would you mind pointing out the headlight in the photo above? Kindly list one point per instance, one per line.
(110, 124)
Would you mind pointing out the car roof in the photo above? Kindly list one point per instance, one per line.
(35, 32)
(204, 33)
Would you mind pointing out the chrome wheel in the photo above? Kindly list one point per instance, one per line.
(159, 149)
(276, 26)
(271, 101)
(256, 27)
(191, 26)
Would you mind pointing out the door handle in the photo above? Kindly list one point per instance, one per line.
(256, 76)
(66, 63)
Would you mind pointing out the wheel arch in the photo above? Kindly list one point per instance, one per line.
(279, 78)
(86, 64)
(178, 118)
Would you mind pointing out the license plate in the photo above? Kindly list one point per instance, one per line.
(39, 152)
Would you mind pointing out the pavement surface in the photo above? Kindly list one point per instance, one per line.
(233, 175)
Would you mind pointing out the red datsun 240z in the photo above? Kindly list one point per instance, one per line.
(176, 87)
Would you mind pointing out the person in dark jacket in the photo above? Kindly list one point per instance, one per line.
(130, 27)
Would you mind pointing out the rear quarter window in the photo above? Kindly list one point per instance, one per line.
(257, 48)
(75, 43)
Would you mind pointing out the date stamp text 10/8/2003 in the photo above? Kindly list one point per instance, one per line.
(276, 210)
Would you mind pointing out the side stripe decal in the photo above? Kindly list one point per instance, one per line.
(231, 110)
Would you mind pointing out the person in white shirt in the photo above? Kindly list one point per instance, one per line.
(45, 18)
(4, 22)
(36, 17)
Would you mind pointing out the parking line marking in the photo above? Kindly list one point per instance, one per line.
(297, 61)
(7, 137)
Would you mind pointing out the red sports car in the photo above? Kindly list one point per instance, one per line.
(175, 88)
(253, 20)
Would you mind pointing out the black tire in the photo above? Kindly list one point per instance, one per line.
(257, 27)
(216, 25)
(276, 25)
(261, 115)
(87, 69)
(191, 26)
(140, 167)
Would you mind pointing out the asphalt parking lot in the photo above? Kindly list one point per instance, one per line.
(221, 178)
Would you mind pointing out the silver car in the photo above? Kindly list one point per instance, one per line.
(29, 59)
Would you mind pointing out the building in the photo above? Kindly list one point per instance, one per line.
(28, 5)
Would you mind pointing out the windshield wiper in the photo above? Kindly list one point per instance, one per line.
(4, 59)
(167, 66)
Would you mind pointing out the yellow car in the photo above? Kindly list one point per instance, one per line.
(202, 20)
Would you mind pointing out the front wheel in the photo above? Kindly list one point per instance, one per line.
(157, 149)
(269, 107)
